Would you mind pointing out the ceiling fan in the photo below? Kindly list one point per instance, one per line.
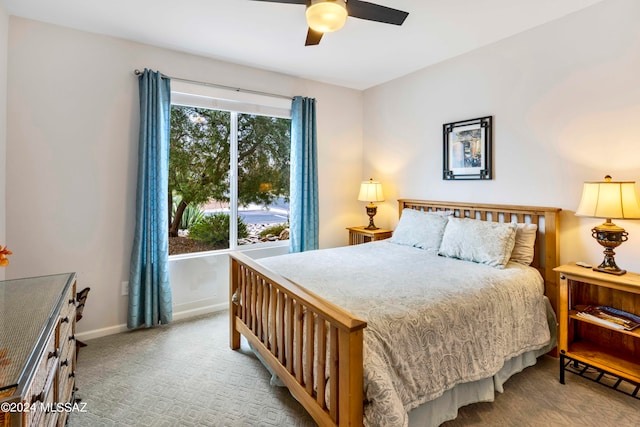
(325, 16)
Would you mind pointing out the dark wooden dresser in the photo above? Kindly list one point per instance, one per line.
(37, 350)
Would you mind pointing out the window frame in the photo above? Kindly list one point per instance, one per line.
(213, 98)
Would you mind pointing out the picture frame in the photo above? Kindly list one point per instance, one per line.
(467, 149)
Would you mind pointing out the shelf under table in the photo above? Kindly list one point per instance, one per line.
(621, 365)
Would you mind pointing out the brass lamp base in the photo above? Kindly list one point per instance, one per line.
(371, 211)
(609, 236)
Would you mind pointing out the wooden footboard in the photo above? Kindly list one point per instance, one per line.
(293, 330)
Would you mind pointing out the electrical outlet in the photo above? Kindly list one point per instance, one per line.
(125, 288)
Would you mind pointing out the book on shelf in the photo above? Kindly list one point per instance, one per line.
(609, 316)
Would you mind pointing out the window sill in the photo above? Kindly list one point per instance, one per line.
(243, 248)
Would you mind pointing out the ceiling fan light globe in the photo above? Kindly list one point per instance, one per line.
(326, 16)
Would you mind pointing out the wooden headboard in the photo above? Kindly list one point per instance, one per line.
(547, 248)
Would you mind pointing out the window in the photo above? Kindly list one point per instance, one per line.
(228, 174)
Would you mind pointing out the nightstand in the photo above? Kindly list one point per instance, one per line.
(605, 348)
(358, 235)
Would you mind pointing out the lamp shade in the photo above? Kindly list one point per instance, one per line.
(371, 191)
(609, 199)
(326, 16)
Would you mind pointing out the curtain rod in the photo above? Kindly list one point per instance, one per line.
(219, 86)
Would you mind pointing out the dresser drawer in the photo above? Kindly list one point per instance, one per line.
(67, 317)
(65, 369)
(69, 306)
(65, 332)
(49, 416)
(41, 387)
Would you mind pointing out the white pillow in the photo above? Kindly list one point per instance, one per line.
(483, 242)
(420, 229)
(525, 243)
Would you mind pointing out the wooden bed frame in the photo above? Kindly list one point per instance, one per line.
(287, 345)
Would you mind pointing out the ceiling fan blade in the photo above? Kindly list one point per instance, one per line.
(285, 1)
(375, 12)
(313, 37)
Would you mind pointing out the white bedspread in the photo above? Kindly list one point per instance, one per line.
(433, 322)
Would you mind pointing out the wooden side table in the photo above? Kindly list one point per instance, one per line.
(605, 348)
(358, 235)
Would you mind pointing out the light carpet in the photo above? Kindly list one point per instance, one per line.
(184, 374)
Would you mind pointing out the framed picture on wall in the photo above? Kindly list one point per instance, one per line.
(467, 149)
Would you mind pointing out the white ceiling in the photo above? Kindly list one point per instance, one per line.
(271, 35)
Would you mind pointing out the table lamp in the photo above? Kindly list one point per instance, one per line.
(609, 200)
(371, 191)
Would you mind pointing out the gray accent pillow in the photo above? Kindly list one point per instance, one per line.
(483, 242)
(420, 229)
(524, 248)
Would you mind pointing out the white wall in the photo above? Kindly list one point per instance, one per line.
(565, 99)
(4, 41)
(72, 151)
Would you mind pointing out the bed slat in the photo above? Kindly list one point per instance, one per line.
(309, 320)
(273, 305)
(333, 372)
(321, 338)
(297, 342)
(259, 318)
(288, 334)
(280, 326)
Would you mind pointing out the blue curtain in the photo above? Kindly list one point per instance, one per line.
(149, 289)
(304, 176)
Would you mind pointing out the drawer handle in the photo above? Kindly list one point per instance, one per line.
(562, 277)
(65, 362)
(72, 337)
(72, 374)
(53, 353)
(38, 397)
(64, 319)
(72, 301)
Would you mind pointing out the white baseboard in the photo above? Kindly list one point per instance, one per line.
(180, 315)
(103, 332)
(186, 314)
